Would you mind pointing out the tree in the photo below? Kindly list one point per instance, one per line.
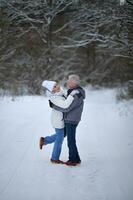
(50, 39)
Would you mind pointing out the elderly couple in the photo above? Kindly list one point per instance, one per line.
(66, 114)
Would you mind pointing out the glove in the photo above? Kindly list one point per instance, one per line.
(51, 104)
(74, 92)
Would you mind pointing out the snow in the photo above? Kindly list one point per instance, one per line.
(105, 142)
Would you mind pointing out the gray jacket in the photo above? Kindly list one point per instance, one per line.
(74, 112)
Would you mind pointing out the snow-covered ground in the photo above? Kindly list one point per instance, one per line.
(105, 142)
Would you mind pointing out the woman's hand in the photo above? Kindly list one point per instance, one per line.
(74, 92)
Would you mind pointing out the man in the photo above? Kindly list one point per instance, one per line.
(72, 117)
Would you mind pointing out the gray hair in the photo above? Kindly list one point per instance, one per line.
(75, 78)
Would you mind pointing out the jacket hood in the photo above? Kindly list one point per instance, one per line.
(82, 91)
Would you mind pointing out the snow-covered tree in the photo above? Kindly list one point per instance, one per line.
(122, 2)
(50, 39)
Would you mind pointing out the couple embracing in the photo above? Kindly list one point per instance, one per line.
(65, 117)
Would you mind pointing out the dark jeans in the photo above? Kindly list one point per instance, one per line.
(71, 142)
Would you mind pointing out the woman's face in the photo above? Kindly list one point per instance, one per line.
(56, 88)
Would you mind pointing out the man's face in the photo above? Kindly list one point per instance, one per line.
(71, 83)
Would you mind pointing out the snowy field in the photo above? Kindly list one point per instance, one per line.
(105, 142)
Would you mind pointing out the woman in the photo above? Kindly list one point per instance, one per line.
(56, 97)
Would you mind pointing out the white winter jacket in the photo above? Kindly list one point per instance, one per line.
(59, 100)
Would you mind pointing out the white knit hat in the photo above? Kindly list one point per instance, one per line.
(49, 85)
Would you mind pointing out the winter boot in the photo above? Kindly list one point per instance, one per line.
(57, 161)
(71, 163)
(41, 142)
